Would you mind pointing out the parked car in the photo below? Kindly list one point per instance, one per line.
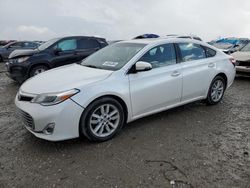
(121, 83)
(242, 58)
(6, 50)
(5, 42)
(147, 36)
(24, 64)
(185, 36)
(230, 45)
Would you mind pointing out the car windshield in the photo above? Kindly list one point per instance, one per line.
(47, 44)
(246, 48)
(113, 57)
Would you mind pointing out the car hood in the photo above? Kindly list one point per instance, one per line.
(19, 53)
(63, 79)
(241, 56)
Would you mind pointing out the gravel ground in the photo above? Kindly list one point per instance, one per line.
(191, 146)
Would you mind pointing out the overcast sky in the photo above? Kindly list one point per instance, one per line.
(123, 19)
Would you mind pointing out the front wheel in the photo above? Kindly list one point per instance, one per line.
(102, 119)
(37, 70)
(216, 90)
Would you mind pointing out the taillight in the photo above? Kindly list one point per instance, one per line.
(233, 61)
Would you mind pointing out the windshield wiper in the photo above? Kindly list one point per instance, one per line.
(91, 66)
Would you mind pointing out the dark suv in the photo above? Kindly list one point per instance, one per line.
(24, 64)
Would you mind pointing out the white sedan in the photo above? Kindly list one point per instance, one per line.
(121, 83)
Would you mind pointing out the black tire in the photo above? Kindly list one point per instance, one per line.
(36, 69)
(210, 99)
(85, 127)
(1, 59)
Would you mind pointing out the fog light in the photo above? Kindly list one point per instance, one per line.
(49, 129)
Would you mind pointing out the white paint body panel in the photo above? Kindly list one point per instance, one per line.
(144, 93)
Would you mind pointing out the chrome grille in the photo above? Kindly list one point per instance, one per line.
(26, 119)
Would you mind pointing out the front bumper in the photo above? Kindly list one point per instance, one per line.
(65, 117)
(243, 70)
(17, 72)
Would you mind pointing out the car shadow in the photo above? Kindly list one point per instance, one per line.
(245, 78)
(82, 142)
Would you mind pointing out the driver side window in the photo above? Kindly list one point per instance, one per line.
(160, 56)
(66, 45)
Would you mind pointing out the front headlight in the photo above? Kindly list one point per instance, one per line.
(22, 59)
(48, 99)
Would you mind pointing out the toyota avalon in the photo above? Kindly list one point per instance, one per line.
(121, 83)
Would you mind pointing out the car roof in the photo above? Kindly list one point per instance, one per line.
(162, 40)
(155, 41)
(95, 37)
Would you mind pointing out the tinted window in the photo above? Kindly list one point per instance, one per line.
(29, 44)
(65, 45)
(160, 56)
(88, 44)
(191, 51)
(209, 52)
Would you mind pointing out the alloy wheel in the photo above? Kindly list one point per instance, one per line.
(104, 120)
(38, 71)
(217, 90)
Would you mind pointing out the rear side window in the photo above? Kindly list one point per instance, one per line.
(88, 44)
(66, 45)
(160, 56)
(16, 45)
(191, 51)
(30, 44)
(209, 52)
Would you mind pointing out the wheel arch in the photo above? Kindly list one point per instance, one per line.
(38, 64)
(116, 97)
(223, 75)
(119, 99)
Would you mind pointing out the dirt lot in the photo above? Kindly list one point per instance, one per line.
(190, 146)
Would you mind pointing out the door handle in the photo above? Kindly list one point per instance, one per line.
(211, 65)
(175, 73)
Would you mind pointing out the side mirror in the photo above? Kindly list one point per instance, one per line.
(142, 66)
(57, 51)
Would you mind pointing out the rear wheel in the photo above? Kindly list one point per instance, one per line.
(102, 119)
(216, 90)
(37, 70)
(1, 59)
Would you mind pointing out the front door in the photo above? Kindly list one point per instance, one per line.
(65, 53)
(159, 87)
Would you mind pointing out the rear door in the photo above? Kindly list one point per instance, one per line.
(86, 47)
(197, 70)
(157, 88)
(64, 52)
